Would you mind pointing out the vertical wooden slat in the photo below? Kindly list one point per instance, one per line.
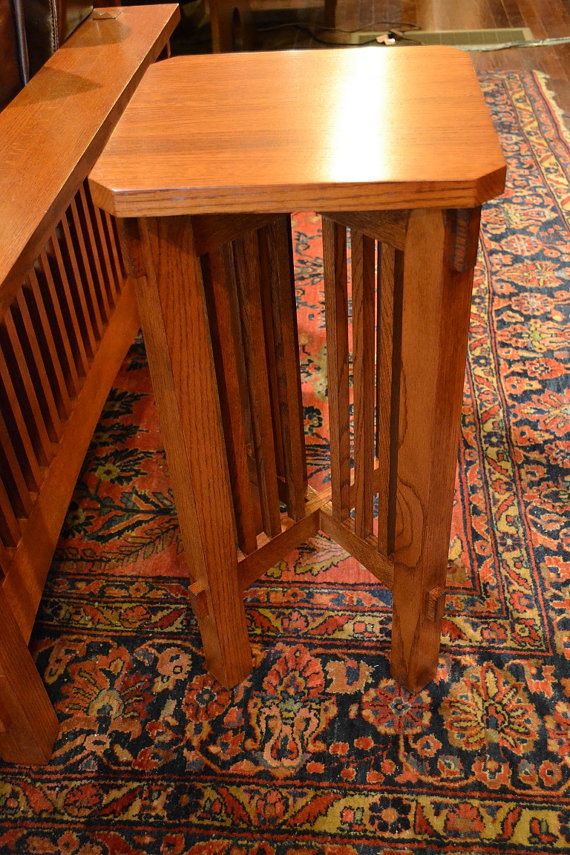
(35, 301)
(246, 256)
(267, 275)
(117, 240)
(28, 396)
(9, 526)
(336, 309)
(390, 272)
(78, 283)
(84, 212)
(4, 560)
(363, 287)
(19, 429)
(77, 234)
(220, 283)
(20, 493)
(75, 324)
(114, 251)
(101, 238)
(58, 326)
(278, 260)
(41, 369)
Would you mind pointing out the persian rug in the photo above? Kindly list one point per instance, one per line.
(320, 751)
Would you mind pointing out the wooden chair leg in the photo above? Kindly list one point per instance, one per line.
(172, 306)
(439, 257)
(28, 723)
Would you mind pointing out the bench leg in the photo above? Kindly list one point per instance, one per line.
(439, 257)
(172, 306)
(28, 723)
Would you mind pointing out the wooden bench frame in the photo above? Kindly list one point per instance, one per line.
(67, 319)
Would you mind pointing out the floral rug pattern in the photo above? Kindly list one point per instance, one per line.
(320, 751)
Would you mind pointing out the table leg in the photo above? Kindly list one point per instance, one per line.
(232, 25)
(172, 305)
(28, 723)
(439, 257)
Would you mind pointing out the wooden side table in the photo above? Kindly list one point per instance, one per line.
(210, 157)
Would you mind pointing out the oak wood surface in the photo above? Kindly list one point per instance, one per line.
(75, 97)
(336, 313)
(545, 18)
(435, 323)
(365, 550)
(277, 259)
(273, 143)
(66, 322)
(249, 275)
(80, 244)
(28, 723)
(20, 426)
(20, 495)
(270, 331)
(211, 232)
(54, 364)
(28, 338)
(170, 295)
(69, 315)
(388, 328)
(272, 550)
(363, 287)
(28, 390)
(29, 563)
(220, 286)
(89, 231)
(389, 226)
(49, 285)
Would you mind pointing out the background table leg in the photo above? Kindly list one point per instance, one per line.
(439, 257)
(173, 311)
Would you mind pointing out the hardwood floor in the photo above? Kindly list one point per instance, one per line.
(545, 18)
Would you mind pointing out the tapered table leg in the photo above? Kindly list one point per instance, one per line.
(171, 300)
(28, 723)
(439, 257)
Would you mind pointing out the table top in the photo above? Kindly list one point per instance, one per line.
(359, 129)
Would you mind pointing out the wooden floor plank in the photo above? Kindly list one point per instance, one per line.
(545, 18)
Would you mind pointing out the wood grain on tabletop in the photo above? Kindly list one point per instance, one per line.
(53, 130)
(335, 129)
